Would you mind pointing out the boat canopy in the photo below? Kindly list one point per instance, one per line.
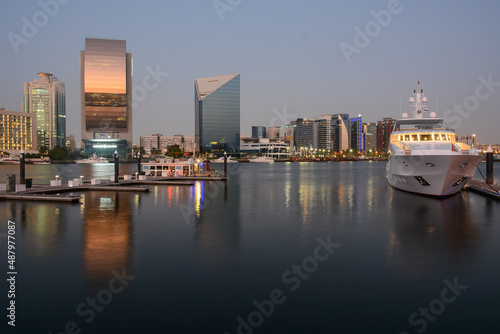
(419, 124)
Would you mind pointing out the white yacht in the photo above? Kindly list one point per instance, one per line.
(261, 159)
(425, 158)
(93, 160)
(221, 160)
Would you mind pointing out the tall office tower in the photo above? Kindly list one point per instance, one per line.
(46, 97)
(217, 114)
(341, 132)
(258, 132)
(370, 137)
(384, 130)
(305, 135)
(357, 142)
(17, 131)
(106, 96)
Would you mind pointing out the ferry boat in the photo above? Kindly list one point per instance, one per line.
(425, 158)
(93, 160)
(261, 159)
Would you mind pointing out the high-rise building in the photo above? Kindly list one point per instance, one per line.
(370, 137)
(149, 143)
(17, 131)
(384, 130)
(357, 142)
(106, 96)
(305, 135)
(258, 132)
(217, 114)
(46, 97)
(341, 132)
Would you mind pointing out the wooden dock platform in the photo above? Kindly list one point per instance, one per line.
(480, 187)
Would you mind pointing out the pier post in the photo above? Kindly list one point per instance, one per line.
(117, 167)
(139, 168)
(225, 164)
(489, 165)
(22, 166)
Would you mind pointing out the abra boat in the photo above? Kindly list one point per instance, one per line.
(93, 160)
(425, 158)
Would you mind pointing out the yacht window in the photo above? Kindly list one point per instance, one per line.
(414, 137)
(437, 137)
(448, 137)
(443, 137)
(425, 137)
(407, 137)
(400, 137)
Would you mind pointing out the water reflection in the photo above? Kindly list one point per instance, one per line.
(426, 229)
(43, 225)
(107, 234)
(217, 230)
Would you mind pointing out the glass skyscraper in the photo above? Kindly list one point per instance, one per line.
(217, 114)
(106, 96)
(46, 97)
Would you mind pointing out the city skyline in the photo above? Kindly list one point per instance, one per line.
(301, 60)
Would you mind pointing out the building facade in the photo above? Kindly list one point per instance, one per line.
(384, 130)
(357, 142)
(258, 132)
(370, 137)
(470, 140)
(46, 98)
(106, 96)
(341, 132)
(217, 114)
(266, 147)
(273, 132)
(17, 131)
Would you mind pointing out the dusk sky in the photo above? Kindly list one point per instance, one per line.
(295, 58)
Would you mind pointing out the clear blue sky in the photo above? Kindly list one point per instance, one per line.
(288, 54)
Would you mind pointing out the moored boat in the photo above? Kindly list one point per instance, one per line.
(261, 159)
(94, 159)
(425, 157)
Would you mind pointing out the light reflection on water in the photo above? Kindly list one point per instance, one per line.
(233, 241)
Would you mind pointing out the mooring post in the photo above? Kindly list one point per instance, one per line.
(225, 164)
(117, 168)
(489, 165)
(22, 171)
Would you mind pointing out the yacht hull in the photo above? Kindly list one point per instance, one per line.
(433, 175)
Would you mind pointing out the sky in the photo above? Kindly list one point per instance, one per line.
(295, 58)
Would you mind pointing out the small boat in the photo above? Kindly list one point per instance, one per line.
(221, 160)
(261, 159)
(93, 160)
(10, 161)
(425, 157)
(41, 162)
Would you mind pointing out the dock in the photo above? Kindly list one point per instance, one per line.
(480, 187)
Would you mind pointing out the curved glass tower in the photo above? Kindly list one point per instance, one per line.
(217, 114)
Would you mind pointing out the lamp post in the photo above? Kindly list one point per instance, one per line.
(117, 168)
(22, 167)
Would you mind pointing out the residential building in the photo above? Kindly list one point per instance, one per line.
(17, 131)
(150, 143)
(46, 98)
(384, 130)
(357, 142)
(370, 137)
(217, 114)
(106, 96)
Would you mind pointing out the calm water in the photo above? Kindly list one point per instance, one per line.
(282, 248)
